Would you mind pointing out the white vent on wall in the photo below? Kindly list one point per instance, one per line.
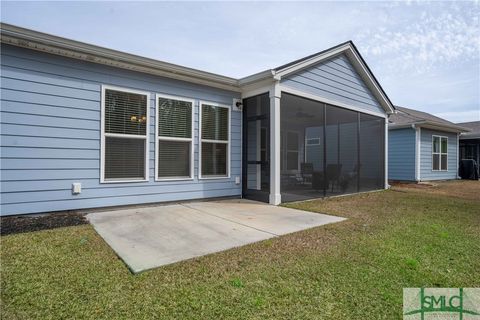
(76, 188)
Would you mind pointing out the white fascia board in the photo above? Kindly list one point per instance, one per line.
(441, 127)
(264, 75)
(467, 137)
(392, 126)
(308, 62)
(427, 125)
(39, 41)
(370, 81)
(257, 88)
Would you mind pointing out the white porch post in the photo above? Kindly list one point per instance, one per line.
(275, 93)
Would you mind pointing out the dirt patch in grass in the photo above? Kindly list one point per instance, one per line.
(412, 185)
(21, 224)
(463, 189)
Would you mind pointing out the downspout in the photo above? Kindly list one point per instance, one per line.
(458, 153)
(385, 153)
(417, 151)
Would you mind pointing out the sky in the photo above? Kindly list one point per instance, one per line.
(426, 55)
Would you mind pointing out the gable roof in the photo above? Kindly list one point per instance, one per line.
(349, 50)
(406, 117)
(40, 41)
(474, 127)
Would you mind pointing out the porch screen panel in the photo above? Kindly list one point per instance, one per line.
(342, 150)
(372, 152)
(302, 148)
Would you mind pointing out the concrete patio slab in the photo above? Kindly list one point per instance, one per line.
(272, 219)
(150, 237)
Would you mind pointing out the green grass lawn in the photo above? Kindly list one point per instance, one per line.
(356, 269)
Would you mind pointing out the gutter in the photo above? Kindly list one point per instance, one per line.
(39, 41)
(429, 125)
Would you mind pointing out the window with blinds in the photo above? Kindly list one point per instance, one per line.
(124, 135)
(214, 141)
(174, 152)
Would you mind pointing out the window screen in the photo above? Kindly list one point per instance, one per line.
(174, 138)
(125, 135)
(214, 140)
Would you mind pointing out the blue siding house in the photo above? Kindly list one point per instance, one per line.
(84, 127)
(422, 147)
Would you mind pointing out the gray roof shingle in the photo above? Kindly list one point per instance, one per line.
(474, 127)
(406, 116)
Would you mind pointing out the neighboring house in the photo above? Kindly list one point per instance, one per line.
(470, 141)
(422, 147)
(84, 126)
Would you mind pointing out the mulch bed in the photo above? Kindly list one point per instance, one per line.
(20, 224)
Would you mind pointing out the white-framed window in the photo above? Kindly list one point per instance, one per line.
(124, 135)
(174, 138)
(439, 153)
(214, 141)
(312, 141)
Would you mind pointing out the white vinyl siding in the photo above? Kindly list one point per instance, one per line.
(174, 138)
(439, 153)
(214, 141)
(125, 121)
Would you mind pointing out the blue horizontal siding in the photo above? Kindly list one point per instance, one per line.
(401, 154)
(77, 203)
(50, 135)
(426, 172)
(335, 79)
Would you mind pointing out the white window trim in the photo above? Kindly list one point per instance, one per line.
(191, 139)
(200, 140)
(312, 144)
(440, 153)
(103, 134)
